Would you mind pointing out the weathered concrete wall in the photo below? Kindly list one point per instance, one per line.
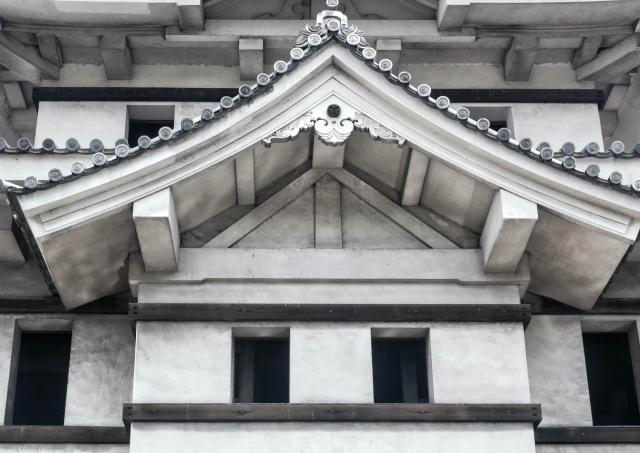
(330, 364)
(100, 371)
(557, 370)
(182, 363)
(333, 437)
(478, 363)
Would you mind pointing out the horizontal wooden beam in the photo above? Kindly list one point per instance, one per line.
(63, 435)
(426, 413)
(545, 306)
(589, 435)
(110, 305)
(329, 312)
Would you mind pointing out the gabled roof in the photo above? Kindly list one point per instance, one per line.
(330, 26)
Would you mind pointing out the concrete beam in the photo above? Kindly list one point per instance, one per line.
(391, 49)
(507, 231)
(158, 233)
(327, 156)
(190, 15)
(452, 13)
(116, 57)
(25, 61)
(251, 57)
(612, 62)
(520, 57)
(414, 181)
(587, 51)
(281, 33)
(328, 218)
(245, 179)
(49, 48)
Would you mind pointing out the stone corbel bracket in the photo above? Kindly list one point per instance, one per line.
(334, 127)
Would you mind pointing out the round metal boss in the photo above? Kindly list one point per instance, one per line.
(24, 144)
(404, 77)
(543, 145)
(385, 65)
(207, 114)
(546, 154)
(263, 79)
(296, 54)
(48, 144)
(443, 102)
(369, 53)
(353, 39)
(99, 159)
(592, 149)
(314, 39)
(424, 90)
(72, 145)
(333, 25)
(244, 91)
(226, 102)
(569, 163)
(568, 149)
(526, 144)
(504, 134)
(483, 124)
(615, 177)
(122, 141)
(280, 66)
(616, 148)
(463, 114)
(186, 124)
(55, 175)
(77, 168)
(165, 133)
(121, 151)
(144, 141)
(31, 182)
(333, 111)
(635, 185)
(96, 146)
(592, 170)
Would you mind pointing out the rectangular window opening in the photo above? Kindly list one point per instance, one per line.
(40, 386)
(147, 120)
(261, 370)
(610, 375)
(400, 370)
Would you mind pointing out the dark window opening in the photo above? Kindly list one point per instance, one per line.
(612, 388)
(400, 370)
(261, 373)
(150, 128)
(41, 380)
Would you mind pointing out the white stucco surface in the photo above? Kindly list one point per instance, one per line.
(332, 437)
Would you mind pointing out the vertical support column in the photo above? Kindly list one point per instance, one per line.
(391, 49)
(506, 231)
(519, 59)
(245, 178)
(452, 13)
(327, 156)
(328, 229)
(116, 57)
(414, 181)
(158, 233)
(190, 15)
(251, 58)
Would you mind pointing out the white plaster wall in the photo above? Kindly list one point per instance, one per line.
(7, 329)
(332, 437)
(478, 363)
(330, 364)
(63, 448)
(100, 371)
(81, 120)
(588, 449)
(182, 363)
(557, 370)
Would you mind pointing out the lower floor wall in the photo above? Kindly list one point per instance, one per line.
(588, 449)
(63, 448)
(332, 437)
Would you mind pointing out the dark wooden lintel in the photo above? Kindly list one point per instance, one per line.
(64, 435)
(545, 306)
(196, 413)
(329, 312)
(589, 435)
(111, 305)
